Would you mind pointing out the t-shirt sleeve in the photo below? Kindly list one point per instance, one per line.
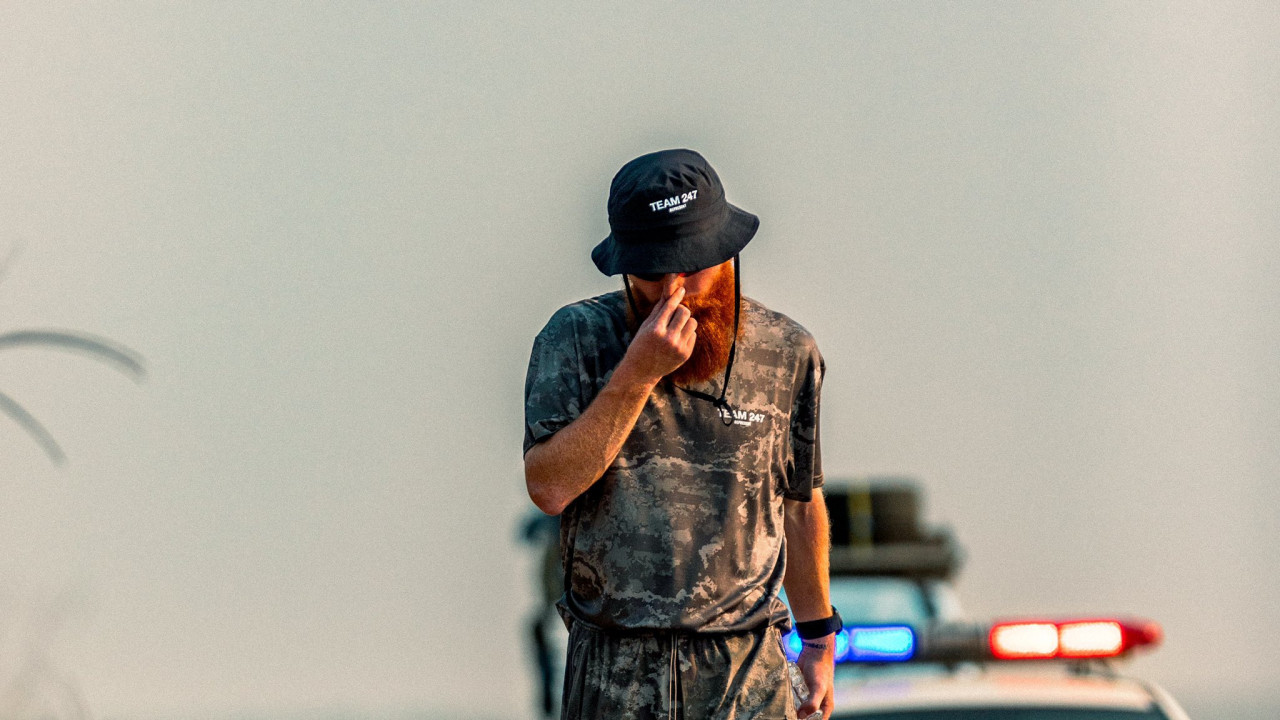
(553, 394)
(806, 449)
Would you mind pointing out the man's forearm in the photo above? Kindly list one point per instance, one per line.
(563, 466)
(808, 543)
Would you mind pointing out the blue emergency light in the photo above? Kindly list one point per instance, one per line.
(889, 643)
(864, 643)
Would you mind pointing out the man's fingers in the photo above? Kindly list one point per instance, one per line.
(823, 701)
(662, 311)
(689, 336)
(813, 702)
(679, 318)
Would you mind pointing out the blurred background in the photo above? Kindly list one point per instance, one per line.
(1036, 243)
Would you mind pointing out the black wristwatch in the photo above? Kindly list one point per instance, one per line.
(814, 629)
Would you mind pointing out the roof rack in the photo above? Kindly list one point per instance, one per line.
(876, 530)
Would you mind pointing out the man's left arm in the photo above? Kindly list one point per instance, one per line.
(808, 588)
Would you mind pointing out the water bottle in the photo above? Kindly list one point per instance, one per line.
(799, 690)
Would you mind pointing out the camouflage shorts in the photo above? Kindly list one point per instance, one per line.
(689, 676)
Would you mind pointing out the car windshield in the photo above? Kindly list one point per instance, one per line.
(1000, 713)
(879, 600)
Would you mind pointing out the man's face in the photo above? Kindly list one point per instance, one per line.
(699, 283)
(709, 297)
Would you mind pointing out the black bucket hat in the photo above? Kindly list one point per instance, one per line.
(668, 213)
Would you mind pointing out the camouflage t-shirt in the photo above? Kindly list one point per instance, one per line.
(685, 530)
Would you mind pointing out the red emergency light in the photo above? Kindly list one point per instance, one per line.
(1070, 639)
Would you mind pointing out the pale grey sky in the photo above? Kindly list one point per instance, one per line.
(1036, 243)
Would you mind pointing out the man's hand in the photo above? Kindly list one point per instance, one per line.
(817, 663)
(664, 340)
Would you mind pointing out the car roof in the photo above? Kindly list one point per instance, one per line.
(997, 688)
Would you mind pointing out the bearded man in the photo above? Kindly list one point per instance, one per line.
(673, 425)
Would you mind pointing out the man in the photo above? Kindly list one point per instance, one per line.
(674, 427)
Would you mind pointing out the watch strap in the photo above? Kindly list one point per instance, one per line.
(814, 629)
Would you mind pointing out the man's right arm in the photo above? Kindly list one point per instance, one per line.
(562, 467)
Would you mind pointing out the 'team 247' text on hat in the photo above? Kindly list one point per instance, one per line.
(675, 202)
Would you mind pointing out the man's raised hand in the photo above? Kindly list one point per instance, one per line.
(665, 339)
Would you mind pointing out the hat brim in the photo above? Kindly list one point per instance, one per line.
(688, 254)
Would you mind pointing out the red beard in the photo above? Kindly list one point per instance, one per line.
(714, 312)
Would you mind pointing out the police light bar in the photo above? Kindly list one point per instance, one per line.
(1014, 640)
(864, 643)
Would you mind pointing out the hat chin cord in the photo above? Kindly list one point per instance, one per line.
(726, 410)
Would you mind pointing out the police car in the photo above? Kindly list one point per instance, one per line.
(906, 652)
